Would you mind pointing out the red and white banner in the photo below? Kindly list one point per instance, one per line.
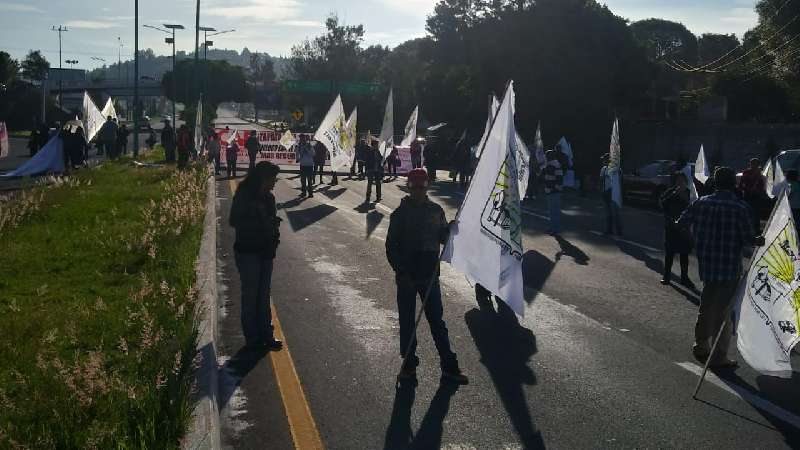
(270, 142)
(404, 153)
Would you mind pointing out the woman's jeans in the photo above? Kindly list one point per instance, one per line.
(255, 273)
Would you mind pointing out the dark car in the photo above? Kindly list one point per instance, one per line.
(648, 182)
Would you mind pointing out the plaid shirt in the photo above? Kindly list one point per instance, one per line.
(553, 177)
(722, 225)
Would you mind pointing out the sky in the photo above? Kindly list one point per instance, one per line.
(273, 26)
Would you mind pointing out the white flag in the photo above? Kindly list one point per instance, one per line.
(693, 194)
(486, 243)
(494, 105)
(775, 178)
(351, 134)
(198, 127)
(288, 140)
(569, 174)
(701, 171)
(3, 140)
(331, 134)
(109, 109)
(411, 128)
(386, 140)
(538, 143)
(231, 137)
(523, 157)
(92, 117)
(767, 307)
(614, 165)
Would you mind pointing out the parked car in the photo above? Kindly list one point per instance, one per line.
(648, 182)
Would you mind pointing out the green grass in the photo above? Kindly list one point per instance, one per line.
(96, 310)
(20, 133)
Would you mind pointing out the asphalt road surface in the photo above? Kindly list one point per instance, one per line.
(601, 359)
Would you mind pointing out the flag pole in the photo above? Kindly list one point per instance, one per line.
(730, 307)
(441, 253)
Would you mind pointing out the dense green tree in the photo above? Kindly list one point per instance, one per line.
(666, 40)
(35, 66)
(711, 46)
(225, 83)
(9, 68)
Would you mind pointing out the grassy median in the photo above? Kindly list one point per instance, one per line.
(97, 309)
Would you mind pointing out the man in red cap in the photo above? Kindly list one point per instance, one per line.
(417, 229)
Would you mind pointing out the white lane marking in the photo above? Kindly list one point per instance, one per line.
(625, 241)
(744, 394)
(383, 208)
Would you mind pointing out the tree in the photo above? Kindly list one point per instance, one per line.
(8, 68)
(35, 66)
(665, 40)
(711, 47)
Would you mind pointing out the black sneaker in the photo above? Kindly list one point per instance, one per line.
(454, 376)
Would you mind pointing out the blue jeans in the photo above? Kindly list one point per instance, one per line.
(407, 290)
(255, 273)
(554, 207)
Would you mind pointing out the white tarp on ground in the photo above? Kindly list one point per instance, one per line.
(701, 170)
(767, 307)
(386, 139)
(331, 134)
(93, 119)
(486, 242)
(109, 109)
(4, 150)
(411, 128)
(288, 140)
(49, 159)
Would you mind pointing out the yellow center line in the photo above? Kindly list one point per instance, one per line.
(301, 423)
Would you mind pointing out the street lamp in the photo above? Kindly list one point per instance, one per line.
(170, 40)
(71, 62)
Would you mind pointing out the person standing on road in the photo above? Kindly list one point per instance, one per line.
(185, 145)
(231, 158)
(320, 154)
(676, 239)
(722, 226)
(374, 162)
(253, 148)
(168, 141)
(553, 186)
(752, 188)
(362, 149)
(613, 219)
(305, 157)
(254, 217)
(122, 139)
(416, 154)
(213, 149)
(107, 138)
(417, 229)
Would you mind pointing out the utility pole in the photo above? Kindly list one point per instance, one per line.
(61, 29)
(205, 31)
(196, 46)
(171, 40)
(136, 115)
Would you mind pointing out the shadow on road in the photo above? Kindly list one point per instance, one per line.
(536, 269)
(568, 249)
(654, 264)
(331, 193)
(690, 295)
(233, 372)
(374, 219)
(505, 348)
(305, 217)
(399, 434)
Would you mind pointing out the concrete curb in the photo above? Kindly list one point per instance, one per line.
(205, 428)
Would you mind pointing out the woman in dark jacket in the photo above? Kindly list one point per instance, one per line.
(676, 240)
(254, 216)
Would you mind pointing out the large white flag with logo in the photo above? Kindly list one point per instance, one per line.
(93, 118)
(767, 307)
(331, 134)
(701, 170)
(109, 109)
(486, 243)
(386, 140)
(411, 128)
(494, 105)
